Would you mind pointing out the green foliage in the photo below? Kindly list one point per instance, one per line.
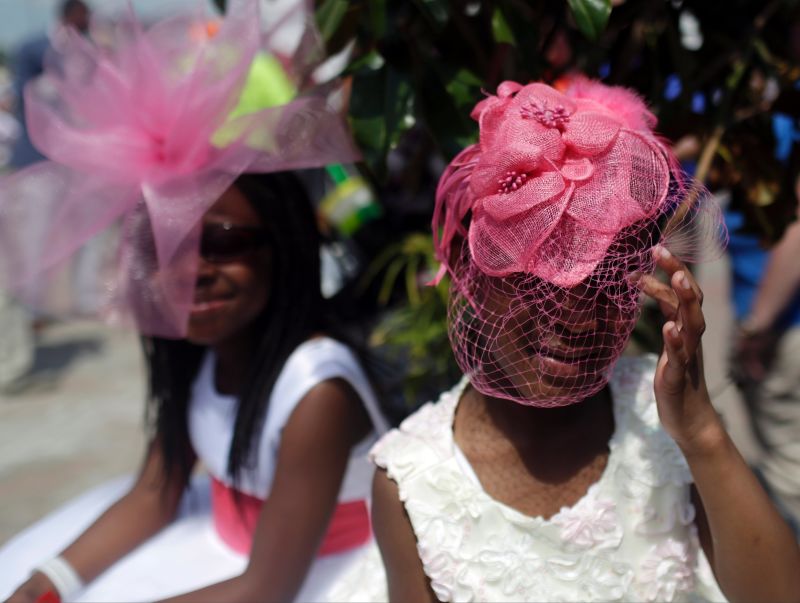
(381, 109)
(329, 17)
(591, 16)
(414, 333)
(501, 30)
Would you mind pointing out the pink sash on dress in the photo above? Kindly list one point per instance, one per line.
(235, 516)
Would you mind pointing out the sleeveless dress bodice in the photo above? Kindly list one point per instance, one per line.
(631, 537)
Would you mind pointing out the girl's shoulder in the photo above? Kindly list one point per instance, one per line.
(423, 439)
(322, 348)
(316, 360)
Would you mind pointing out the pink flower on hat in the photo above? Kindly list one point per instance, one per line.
(558, 176)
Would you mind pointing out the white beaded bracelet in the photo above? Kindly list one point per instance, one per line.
(63, 576)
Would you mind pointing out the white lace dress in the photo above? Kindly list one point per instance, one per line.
(630, 538)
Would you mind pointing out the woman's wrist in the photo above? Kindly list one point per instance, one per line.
(62, 576)
(753, 325)
(705, 441)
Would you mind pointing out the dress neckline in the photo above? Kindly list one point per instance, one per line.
(205, 380)
(467, 471)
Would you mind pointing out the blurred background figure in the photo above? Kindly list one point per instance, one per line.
(28, 64)
(766, 357)
(17, 348)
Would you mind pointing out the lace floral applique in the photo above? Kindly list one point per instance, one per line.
(661, 519)
(592, 523)
(459, 494)
(591, 577)
(666, 571)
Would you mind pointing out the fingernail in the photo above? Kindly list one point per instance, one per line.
(664, 253)
(684, 282)
(673, 330)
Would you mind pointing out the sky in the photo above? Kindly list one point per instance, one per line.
(20, 19)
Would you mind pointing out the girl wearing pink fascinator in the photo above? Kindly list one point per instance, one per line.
(556, 470)
(178, 138)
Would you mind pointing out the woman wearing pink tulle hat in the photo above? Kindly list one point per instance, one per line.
(155, 140)
(557, 470)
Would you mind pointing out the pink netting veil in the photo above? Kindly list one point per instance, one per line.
(142, 135)
(545, 226)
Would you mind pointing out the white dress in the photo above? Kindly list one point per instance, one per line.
(631, 537)
(189, 553)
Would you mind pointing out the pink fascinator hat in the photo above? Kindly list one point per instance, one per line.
(544, 226)
(141, 137)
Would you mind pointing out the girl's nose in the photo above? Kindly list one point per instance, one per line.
(205, 272)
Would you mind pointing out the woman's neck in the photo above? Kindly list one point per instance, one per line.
(233, 361)
(536, 460)
(520, 422)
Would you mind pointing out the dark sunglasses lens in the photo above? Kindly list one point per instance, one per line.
(226, 245)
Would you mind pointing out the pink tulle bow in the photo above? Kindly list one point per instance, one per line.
(145, 128)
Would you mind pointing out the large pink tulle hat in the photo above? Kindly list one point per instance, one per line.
(544, 226)
(143, 135)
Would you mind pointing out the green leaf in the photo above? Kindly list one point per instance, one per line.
(329, 16)
(464, 88)
(591, 16)
(378, 19)
(381, 108)
(445, 98)
(501, 32)
(435, 11)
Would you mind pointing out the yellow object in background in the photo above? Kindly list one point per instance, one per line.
(267, 86)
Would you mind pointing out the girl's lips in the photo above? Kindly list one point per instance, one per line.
(202, 308)
(564, 355)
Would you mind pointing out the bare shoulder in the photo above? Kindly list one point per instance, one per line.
(331, 407)
(398, 544)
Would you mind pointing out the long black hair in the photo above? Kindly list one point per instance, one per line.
(294, 311)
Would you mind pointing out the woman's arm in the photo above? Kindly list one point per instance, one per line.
(758, 333)
(134, 518)
(780, 282)
(398, 545)
(753, 552)
(313, 455)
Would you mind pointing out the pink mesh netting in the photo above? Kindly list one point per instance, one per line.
(140, 138)
(545, 226)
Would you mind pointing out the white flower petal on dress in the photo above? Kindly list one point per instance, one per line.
(667, 571)
(592, 523)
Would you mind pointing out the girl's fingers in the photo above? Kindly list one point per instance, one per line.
(677, 359)
(689, 314)
(671, 264)
(661, 293)
(692, 321)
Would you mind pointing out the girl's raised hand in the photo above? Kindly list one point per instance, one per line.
(684, 406)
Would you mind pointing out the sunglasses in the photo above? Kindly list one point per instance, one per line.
(225, 242)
